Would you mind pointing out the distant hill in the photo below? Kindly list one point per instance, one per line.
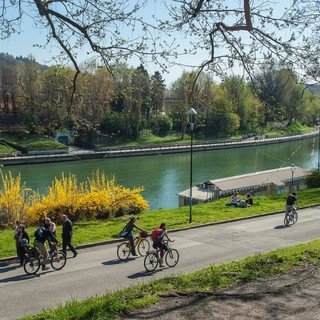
(8, 59)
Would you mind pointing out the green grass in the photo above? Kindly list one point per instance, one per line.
(206, 280)
(31, 142)
(101, 230)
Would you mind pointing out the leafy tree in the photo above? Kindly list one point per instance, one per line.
(140, 95)
(222, 121)
(94, 93)
(313, 180)
(114, 124)
(278, 89)
(161, 125)
(157, 93)
(244, 104)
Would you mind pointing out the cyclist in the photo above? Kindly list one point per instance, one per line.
(158, 236)
(41, 236)
(291, 200)
(127, 233)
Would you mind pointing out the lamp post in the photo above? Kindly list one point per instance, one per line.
(292, 168)
(192, 119)
(318, 149)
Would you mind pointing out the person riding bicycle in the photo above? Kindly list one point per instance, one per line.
(41, 236)
(158, 236)
(290, 201)
(127, 233)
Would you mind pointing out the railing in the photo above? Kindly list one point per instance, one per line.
(146, 149)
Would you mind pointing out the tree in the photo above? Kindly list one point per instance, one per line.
(248, 33)
(157, 93)
(244, 104)
(280, 92)
(231, 33)
(94, 93)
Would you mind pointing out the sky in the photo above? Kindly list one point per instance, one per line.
(23, 44)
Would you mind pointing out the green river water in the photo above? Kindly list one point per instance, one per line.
(163, 176)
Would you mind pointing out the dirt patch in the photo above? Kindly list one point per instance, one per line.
(295, 295)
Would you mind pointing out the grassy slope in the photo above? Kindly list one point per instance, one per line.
(101, 230)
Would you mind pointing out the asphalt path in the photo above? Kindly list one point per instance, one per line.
(96, 270)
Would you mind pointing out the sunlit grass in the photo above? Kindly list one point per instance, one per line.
(216, 211)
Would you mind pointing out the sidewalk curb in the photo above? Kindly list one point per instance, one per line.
(101, 243)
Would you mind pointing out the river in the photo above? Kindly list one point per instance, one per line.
(163, 176)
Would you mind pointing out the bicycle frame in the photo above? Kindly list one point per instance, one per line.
(152, 258)
(124, 249)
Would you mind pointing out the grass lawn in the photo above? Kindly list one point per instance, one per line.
(101, 230)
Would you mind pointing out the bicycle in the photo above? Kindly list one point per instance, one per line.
(33, 260)
(140, 242)
(152, 258)
(292, 217)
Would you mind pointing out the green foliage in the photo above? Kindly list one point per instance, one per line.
(161, 125)
(313, 180)
(113, 124)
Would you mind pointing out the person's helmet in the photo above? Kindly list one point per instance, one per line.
(23, 241)
(293, 193)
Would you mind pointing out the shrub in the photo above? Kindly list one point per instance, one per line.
(96, 198)
(313, 180)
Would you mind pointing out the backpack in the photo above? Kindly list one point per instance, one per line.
(156, 233)
(39, 233)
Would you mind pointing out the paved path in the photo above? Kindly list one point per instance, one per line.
(96, 270)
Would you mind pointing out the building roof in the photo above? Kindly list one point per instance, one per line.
(278, 177)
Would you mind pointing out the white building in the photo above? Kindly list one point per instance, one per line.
(275, 181)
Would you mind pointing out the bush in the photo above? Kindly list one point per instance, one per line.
(97, 198)
(313, 180)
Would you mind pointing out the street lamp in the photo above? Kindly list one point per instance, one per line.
(292, 168)
(192, 119)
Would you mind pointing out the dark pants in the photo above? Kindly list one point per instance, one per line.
(130, 237)
(66, 242)
(21, 253)
(162, 246)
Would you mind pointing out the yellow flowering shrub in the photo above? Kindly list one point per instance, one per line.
(97, 198)
(15, 199)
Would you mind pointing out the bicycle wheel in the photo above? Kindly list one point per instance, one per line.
(58, 260)
(32, 265)
(172, 257)
(151, 261)
(294, 217)
(286, 220)
(124, 250)
(143, 247)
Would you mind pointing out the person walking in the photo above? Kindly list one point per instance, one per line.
(67, 233)
(50, 225)
(22, 234)
(15, 236)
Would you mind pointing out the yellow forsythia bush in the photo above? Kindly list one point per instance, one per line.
(104, 204)
(98, 197)
(15, 199)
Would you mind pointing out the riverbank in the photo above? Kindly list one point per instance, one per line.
(118, 152)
